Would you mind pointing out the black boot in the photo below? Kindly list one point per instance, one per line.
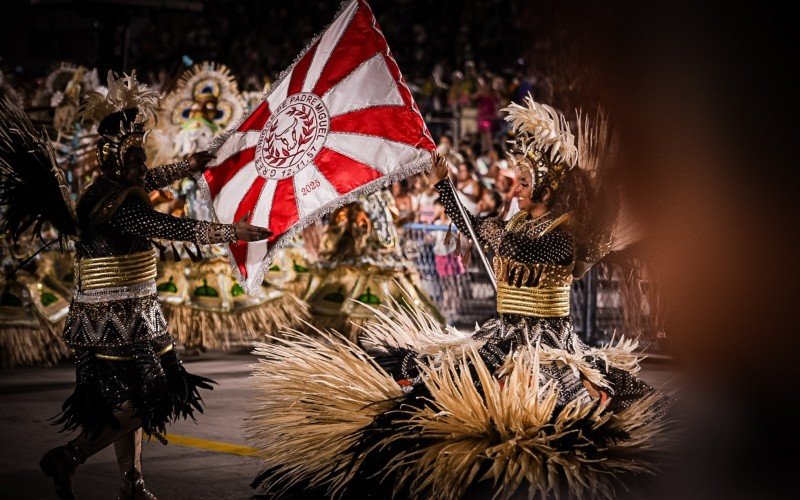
(133, 487)
(60, 464)
(129, 458)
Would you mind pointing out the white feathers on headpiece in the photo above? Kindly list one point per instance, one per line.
(123, 93)
(540, 127)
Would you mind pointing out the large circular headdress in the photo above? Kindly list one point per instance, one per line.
(543, 142)
(203, 83)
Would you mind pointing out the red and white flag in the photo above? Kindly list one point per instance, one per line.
(338, 123)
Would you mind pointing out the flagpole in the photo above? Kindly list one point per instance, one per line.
(465, 218)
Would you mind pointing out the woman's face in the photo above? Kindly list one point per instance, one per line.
(524, 189)
(463, 172)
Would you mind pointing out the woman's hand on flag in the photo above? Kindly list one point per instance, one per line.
(440, 169)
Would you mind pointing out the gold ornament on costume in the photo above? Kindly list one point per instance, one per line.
(543, 143)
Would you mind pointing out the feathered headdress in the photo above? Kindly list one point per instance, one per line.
(204, 103)
(123, 93)
(543, 138)
(120, 113)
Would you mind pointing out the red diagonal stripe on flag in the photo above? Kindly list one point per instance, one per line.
(384, 122)
(300, 70)
(256, 120)
(360, 42)
(343, 172)
(284, 209)
(218, 176)
(239, 253)
(245, 206)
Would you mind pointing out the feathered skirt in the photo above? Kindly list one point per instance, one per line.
(126, 359)
(426, 411)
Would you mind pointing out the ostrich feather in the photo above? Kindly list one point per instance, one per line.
(32, 187)
(539, 126)
(123, 93)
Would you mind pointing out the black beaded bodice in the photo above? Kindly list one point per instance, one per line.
(540, 241)
(115, 219)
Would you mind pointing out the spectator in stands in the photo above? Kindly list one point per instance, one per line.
(448, 263)
(505, 183)
(445, 148)
(490, 204)
(405, 202)
(468, 187)
(487, 103)
(426, 201)
(494, 162)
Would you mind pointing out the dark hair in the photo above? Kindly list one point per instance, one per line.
(497, 198)
(573, 195)
(469, 165)
(403, 185)
(537, 195)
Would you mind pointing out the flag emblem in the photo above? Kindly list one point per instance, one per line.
(293, 136)
(339, 122)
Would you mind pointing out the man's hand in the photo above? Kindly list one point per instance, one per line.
(249, 232)
(198, 161)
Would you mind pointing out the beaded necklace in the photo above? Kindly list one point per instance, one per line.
(519, 222)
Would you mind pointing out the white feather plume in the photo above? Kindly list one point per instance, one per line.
(546, 128)
(123, 93)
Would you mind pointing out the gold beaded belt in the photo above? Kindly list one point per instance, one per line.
(114, 357)
(528, 301)
(119, 270)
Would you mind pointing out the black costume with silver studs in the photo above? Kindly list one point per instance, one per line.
(124, 353)
(499, 336)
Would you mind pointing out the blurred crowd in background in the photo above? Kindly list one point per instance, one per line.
(462, 61)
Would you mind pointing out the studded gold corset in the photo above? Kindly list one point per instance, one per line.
(539, 289)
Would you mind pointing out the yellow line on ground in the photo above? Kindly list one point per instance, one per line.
(215, 446)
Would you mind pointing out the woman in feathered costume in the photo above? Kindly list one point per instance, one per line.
(129, 377)
(521, 402)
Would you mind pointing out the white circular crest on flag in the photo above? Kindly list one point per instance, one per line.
(292, 137)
